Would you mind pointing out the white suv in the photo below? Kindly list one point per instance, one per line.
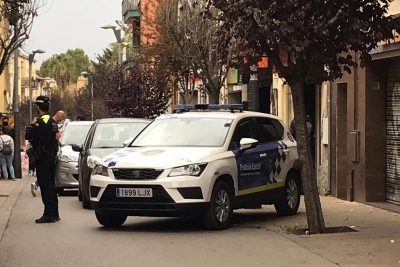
(203, 160)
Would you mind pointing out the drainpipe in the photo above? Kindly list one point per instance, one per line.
(286, 113)
(317, 130)
(329, 136)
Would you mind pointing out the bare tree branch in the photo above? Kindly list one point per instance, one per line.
(16, 20)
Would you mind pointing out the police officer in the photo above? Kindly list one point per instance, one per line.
(42, 133)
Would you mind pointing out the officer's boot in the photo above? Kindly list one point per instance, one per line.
(46, 219)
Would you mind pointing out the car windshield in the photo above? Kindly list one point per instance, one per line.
(74, 134)
(185, 132)
(113, 135)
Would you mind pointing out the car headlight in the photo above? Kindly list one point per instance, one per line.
(191, 170)
(67, 158)
(100, 170)
(92, 162)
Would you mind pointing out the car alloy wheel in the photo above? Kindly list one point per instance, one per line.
(292, 194)
(220, 211)
(222, 206)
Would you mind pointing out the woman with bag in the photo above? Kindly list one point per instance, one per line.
(7, 153)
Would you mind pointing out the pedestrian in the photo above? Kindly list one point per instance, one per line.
(7, 153)
(5, 123)
(59, 116)
(42, 135)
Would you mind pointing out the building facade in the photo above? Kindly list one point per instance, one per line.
(365, 123)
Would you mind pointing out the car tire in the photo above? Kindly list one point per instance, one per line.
(79, 194)
(60, 191)
(110, 221)
(220, 211)
(290, 202)
(85, 202)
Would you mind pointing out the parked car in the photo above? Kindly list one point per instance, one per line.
(199, 162)
(104, 137)
(67, 167)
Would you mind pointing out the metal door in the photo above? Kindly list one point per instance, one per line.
(393, 132)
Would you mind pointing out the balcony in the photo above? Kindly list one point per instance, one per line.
(25, 82)
(130, 9)
(132, 52)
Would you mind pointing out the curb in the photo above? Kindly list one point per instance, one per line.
(7, 208)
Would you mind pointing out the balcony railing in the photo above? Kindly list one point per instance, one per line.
(25, 82)
(130, 8)
(132, 52)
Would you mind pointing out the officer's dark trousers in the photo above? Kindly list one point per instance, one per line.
(45, 168)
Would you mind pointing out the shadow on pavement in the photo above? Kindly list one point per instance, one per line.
(160, 225)
(242, 219)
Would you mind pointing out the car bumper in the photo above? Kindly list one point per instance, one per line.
(67, 175)
(150, 209)
(183, 196)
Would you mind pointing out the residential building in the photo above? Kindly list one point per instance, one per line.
(138, 14)
(365, 122)
(23, 81)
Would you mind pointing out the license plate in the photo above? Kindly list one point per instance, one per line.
(134, 192)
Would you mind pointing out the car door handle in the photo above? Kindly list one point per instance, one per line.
(286, 151)
(263, 155)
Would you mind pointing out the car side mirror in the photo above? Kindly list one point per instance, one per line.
(77, 148)
(246, 143)
(127, 142)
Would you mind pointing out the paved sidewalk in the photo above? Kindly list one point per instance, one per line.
(9, 193)
(376, 242)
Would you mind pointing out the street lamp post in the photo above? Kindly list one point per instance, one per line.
(17, 141)
(87, 74)
(31, 58)
(119, 39)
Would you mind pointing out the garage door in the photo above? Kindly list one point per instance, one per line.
(393, 132)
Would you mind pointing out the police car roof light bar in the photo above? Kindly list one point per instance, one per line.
(188, 107)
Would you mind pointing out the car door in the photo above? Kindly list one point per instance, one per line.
(248, 161)
(275, 152)
(84, 153)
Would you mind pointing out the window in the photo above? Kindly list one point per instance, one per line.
(74, 134)
(113, 135)
(243, 130)
(269, 130)
(185, 132)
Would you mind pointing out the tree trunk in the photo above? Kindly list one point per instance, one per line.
(213, 96)
(315, 218)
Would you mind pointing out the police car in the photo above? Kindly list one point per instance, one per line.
(202, 160)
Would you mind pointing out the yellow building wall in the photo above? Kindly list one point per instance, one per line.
(394, 7)
(5, 76)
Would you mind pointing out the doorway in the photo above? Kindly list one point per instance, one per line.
(265, 99)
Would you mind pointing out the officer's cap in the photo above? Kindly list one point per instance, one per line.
(42, 100)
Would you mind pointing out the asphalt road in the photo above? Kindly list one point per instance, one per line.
(78, 240)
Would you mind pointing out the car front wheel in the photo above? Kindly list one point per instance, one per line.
(85, 202)
(220, 212)
(110, 221)
(290, 202)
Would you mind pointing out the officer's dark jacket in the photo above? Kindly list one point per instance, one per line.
(43, 133)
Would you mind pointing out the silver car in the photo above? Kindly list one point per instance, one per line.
(74, 132)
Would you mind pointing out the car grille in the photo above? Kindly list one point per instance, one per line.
(159, 195)
(137, 174)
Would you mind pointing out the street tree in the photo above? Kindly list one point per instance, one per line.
(66, 67)
(135, 92)
(16, 20)
(186, 44)
(307, 40)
